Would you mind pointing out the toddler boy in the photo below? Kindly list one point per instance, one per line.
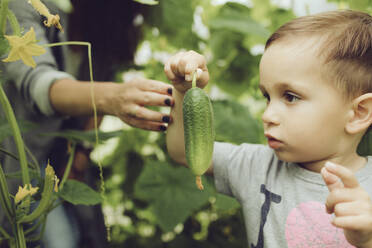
(316, 74)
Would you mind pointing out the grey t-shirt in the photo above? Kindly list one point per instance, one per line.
(283, 203)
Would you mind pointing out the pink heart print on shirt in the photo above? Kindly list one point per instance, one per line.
(309, 226)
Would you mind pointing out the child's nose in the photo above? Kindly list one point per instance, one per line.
(270, 116)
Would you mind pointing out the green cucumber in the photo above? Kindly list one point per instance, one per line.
(198, 131)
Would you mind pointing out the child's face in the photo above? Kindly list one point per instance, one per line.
(305, 116)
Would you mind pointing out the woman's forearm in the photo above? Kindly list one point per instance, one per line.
(73, 98)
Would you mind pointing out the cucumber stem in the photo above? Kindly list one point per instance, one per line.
(194, 80)
(199, 183)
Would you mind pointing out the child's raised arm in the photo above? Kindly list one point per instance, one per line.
(180, 70)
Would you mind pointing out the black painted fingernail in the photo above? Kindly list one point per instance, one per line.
(170, 90)
(167, 101)
(162, 128)
(166, 119)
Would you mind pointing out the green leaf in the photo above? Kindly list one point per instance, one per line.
(230, 116)
(224, 202)
(174, 19)
(6, 131)
(79, 136)
(238, 76)
(76, 193)
(233, 67)
(18, 174)
(172, 193)
(362, 5)
(235, 17)
(148, 2)
(4, 46)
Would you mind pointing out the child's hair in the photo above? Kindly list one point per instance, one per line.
(346, 50)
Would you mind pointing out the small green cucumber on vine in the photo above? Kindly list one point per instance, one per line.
(199, 131)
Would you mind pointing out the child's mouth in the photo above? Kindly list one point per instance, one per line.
(273, 142)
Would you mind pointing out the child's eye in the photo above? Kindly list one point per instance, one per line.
(266, 96)
(290, 97)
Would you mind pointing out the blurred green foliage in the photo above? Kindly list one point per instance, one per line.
(153, 202)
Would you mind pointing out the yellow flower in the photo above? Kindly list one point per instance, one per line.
(25, 191)
(43, 10)
(24, 48)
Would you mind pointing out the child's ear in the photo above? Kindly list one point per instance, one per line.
(362, 114)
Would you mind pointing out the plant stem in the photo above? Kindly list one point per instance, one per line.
(3, 16)
(4, 197)
(40, 235)
(68, 167)
(32, 165)
(35, 162)
(4, 233)
(17, 135)
(20, 236)
(36, 226)
(194, 80)
(14, 23)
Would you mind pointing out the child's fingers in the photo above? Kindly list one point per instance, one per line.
(183, 65)
(192, 61)
(359, 222)
(346, 175)
(176, 66)
(169, 73)
(332, 181)
(338, 196)
(203, 78)
(351, 208)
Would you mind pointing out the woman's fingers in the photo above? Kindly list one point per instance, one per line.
(148, 98)
(147, 125)
(141, 117)
(153, 86)
(142, 113)
(148, 92)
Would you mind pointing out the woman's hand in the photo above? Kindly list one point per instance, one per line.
(128, 101)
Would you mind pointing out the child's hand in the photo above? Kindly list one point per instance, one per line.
(180, 69)
(350, 203)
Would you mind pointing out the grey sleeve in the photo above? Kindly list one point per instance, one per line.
(34, 84)
(221, 159)
(236, 167)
